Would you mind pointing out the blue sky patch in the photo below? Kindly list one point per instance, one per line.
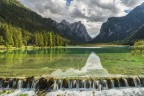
(127, 11)
(68, 2)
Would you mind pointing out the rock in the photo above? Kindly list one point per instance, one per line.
(74, 31)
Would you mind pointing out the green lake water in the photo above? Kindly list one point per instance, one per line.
(36, 62)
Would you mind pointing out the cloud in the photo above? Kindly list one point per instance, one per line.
(130, 3)
(92, 13)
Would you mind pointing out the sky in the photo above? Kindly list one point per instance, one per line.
(92, 13)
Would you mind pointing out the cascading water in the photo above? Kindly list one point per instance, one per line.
(55, 86)
(135, 82)
(103, 86)
(77, 85)
(19, 85)
(90, 83)
(84, 83)
(60, 84)
(126, 83)
(69, 84)
(28, 85)
(111, 92)
(14, 83)
(112, 83)
(138, 82)
(74, 83)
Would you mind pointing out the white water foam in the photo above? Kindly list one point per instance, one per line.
(111, 92)
(19, 92)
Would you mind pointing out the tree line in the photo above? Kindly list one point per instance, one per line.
(11, 36)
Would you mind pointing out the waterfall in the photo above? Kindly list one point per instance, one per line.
(55, 86)
(84, 83)
(20, 84)
(14, 83)
(60, 84)
(90, 83)
(112, 84)
(34, 83)
(69, 84)
(74, 83)
(105, 84)
(135, 82)
(8, 86)
(119, 83)
(77, 85)
(139, 82)
(28, 85)
(94, 84)
(126, 82)
(97, 82)
(100, 87)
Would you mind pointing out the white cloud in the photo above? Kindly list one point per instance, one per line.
(92, 13)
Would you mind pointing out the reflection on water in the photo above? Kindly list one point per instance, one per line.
(93, 67)
(45, 61)
(40, 61)
(93, 63)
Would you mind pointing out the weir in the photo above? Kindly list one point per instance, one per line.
(51, 84)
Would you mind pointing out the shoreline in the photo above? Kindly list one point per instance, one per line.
(3, 48)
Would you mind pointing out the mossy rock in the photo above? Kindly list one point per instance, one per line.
(6, 92)
(23, 95)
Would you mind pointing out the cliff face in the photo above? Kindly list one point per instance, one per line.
(119, 29)
(75, 31)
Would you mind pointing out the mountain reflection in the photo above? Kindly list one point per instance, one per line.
(92, 67)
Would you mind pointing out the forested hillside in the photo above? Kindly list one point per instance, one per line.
(19, 26)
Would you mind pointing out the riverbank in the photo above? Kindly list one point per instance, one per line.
(102, 45)
(76, 46)
(4, 48)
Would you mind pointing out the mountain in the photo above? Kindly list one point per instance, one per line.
(75, 31)
(21, 26)
(122, 29)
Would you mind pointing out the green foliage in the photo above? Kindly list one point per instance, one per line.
(138, 47)
(23, 95)
(19, 26)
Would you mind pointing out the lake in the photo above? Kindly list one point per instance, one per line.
(72, 71)
(44, 61)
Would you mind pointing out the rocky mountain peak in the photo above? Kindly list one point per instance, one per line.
(65, 22)
(75, 31)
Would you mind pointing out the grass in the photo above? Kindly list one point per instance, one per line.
(123, 63)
